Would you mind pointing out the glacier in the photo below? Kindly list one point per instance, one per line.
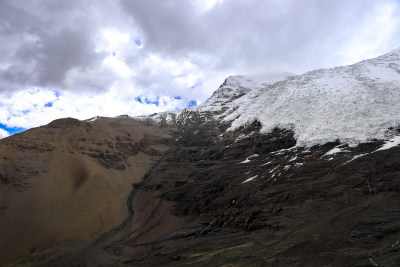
(351, 104)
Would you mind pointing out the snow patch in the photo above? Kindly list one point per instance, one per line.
(93, 119)
(271, 171)
(250, 179)
(355, 157)
(278, 152)
(247, 160)
(395, 141)
(269, 162)
(333, 151)
(240, 137)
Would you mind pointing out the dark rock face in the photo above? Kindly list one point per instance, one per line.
(373, 229)
(246, 198)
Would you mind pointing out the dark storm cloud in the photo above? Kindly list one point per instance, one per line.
(43, 41)
(92, 57)
(294, 35)
(168, 25)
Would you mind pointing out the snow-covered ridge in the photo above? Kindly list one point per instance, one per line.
(352, 104)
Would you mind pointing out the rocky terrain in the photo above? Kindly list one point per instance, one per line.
(204, 199)
(204, 187)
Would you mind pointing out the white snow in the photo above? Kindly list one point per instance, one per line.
(93, 119)
(335, 150)
(271, 171)
(240, 137)
(250, 179)
(278, 152)
(372, 261)
(395, 141)
(352, 104)
(269, 162)
(247, 160)
(355, 157)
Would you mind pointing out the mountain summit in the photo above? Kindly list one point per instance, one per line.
(276, 170)
(352, 104)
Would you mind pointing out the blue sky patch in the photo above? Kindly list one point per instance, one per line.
(192, 103)
(13, 130)
(138, 42)
(145, 100)
(48, 105)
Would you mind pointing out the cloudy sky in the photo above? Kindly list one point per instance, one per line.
(74, 58)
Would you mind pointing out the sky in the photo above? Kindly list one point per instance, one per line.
(73, 58)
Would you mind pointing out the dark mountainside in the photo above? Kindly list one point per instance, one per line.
(192, 207)
(185, 188)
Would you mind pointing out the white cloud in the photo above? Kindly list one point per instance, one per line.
(102, 55)
(31, 110)
(118, 65)
(114, 39)
(374, 37)
(3, 133)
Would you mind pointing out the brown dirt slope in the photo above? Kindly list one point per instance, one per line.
(64, 184)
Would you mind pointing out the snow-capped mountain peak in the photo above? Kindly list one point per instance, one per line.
(352, 104)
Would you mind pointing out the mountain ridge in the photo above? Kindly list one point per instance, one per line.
(353, 104)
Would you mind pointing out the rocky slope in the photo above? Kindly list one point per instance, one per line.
(240, 180)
